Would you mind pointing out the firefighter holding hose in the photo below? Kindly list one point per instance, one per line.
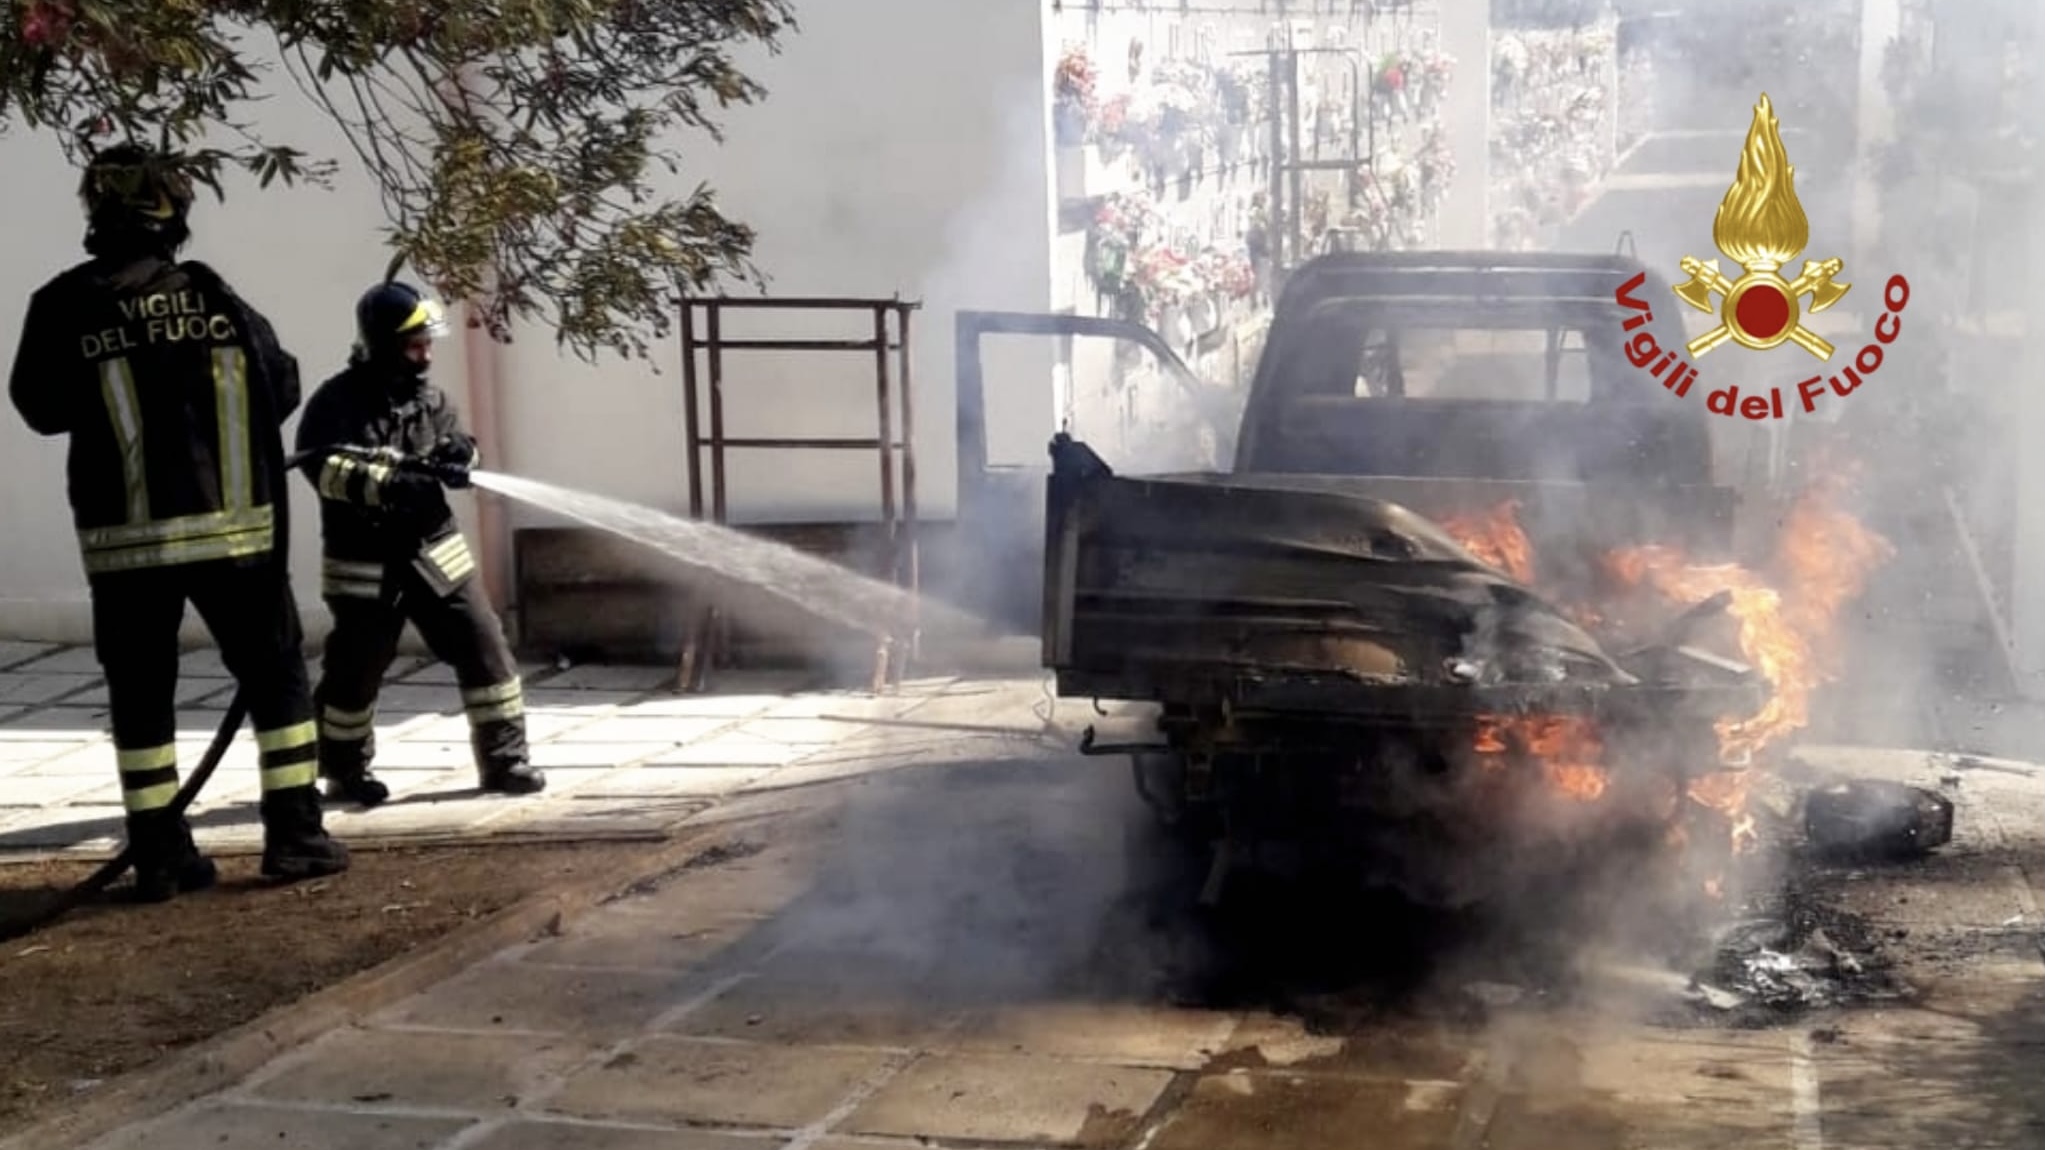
(172, 391)
(381, 443)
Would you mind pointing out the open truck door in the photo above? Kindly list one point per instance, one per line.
(1156, 410)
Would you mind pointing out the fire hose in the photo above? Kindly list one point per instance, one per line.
(99, 880)
(223, 738)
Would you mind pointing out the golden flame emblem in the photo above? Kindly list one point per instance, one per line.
(1761, 226)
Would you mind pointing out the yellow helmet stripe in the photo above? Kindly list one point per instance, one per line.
(427, 312)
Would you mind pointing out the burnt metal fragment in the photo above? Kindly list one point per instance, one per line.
(1870, 817)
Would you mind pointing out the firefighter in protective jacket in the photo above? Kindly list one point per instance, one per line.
(172, 391)
(381, 444)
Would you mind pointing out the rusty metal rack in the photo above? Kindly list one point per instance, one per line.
(707, 638)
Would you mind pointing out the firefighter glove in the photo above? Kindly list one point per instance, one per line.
(451, 459)
(409, 488)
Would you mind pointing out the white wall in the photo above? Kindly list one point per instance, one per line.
(300, 255)
(903, 148)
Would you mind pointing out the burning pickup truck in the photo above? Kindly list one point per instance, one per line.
(1437, 618)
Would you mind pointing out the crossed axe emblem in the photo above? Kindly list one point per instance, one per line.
(1756, 286)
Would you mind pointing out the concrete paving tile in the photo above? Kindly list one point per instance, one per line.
(420, 755)
(759, 886)
(63, 661)
(577, 753)
(807, 1011)
(62, 826)
(629, 726)
(613, 677)
(608, 937)
(202, 722)
(207, 693)
(1395, 1051)
(802, 732)
(1306, 1112)
(778, 681)
(838, 1142)
(599, 816)
(423, 811)
(513, 996)
(455, 1071)
(418, 784)
(14, 652)
(645, 782)
(547, 724)
(55, 723)
(418, 699)
(589, 700)
(47, 790)
(540, 724)
(228, 1125)
(565, 781)
(1129, 1034)
(22, 687)
(809, 774)
(1735, 1070)
(677, 1080)
(1545, 1121)
(731, 750)
(29, 752)
(578, 1136)
(717, 706)
(857, 706)
(1011, 1099)
(204, 663)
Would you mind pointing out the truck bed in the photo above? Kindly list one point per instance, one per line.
(1306, 595)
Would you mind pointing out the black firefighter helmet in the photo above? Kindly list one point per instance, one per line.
(135, 195)
(389, 316)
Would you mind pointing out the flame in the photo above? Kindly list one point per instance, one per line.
(1569, 749)
(1761, 224)
(1496, 539)
(1827, 556)
(1824, 556)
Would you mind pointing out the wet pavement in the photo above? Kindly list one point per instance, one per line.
(985, 945)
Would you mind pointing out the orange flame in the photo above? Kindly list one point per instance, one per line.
(1825, 557)
(1569, 749)
(1496, 539)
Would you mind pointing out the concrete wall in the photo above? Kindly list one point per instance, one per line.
(903, 149)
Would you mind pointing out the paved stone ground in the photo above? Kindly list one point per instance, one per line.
(953, 955)
(622, 751)
(941, 936)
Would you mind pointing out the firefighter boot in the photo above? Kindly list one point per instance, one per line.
(167, 862)
(513, 778)
(503, 763)
(295, 840)
(357, 786)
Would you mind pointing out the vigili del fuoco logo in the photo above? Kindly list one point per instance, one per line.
(1760, 226)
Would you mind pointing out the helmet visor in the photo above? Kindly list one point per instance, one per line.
(428, 319)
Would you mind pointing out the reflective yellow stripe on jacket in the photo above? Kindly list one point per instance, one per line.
(237, 530)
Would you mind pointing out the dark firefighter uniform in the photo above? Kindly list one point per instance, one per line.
(393, 551)
(172, 391)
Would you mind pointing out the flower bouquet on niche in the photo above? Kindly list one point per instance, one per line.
(1073, 104)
